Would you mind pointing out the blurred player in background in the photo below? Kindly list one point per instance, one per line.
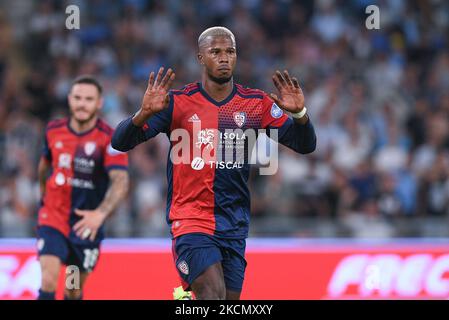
(88, 180)
(208, 203)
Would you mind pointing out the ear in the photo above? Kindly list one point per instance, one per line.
(200, 58)
(100, 103)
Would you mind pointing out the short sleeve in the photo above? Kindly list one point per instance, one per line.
(114, 159)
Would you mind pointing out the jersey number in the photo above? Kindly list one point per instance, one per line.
(90, 258)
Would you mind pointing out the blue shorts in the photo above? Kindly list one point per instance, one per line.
(53, 242)
(193, 253)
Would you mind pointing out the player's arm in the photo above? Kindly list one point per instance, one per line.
(116, 192)
(297, 133)
(152, 117)
(93, 219)
(44, 166)
(43, 170)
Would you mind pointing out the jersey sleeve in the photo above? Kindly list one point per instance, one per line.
(114, 159)
(300, 138)
(273, 117)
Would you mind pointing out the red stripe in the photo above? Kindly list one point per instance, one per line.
(190, 87)
(58, 193)
(187, 88)
(193, 201)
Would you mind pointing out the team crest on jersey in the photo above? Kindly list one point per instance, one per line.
(183, 267)
(240, 118)
(276, 112)
(89, 148)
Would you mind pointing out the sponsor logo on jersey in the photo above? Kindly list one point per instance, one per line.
(84, 165)
(197, 163)
(60, 179)
(65, 161)
(194, 118)
(205, 137)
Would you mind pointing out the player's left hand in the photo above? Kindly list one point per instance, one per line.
(88, 226)
(291, 97)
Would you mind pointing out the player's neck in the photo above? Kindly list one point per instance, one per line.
(217, 91)
(80, 127)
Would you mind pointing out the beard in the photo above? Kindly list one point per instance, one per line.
(221, 80)
(85, 120)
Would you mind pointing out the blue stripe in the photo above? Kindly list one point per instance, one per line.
(116, 167)
(169, 186)
(215, 102)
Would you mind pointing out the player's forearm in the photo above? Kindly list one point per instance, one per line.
(42, 173)
(116, 192)
(300, 137)
(139, 119)
(127, 135)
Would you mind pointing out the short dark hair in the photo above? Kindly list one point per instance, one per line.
(89, 80)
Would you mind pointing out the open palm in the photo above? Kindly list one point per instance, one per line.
(291, 97)
(156, 96)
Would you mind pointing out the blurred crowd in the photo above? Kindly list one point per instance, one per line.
(379, 100)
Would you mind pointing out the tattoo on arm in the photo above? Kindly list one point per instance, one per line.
(117, 191)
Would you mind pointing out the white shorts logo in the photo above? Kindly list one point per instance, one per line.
(40, 244)
(183, 267)
(197, 163)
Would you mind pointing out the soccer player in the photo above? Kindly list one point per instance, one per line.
(88, 180)
(208, 202)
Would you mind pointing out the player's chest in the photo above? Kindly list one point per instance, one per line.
(80, 154)
(237, 114)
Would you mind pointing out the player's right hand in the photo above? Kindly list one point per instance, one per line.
(156, 96)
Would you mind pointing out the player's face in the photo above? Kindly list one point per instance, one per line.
(219, 57)
(84, 101)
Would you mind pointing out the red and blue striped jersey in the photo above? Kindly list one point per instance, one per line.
(206, 193)
(79, 178)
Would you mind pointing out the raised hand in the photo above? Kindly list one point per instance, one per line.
(156, 96)
(291, 97)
